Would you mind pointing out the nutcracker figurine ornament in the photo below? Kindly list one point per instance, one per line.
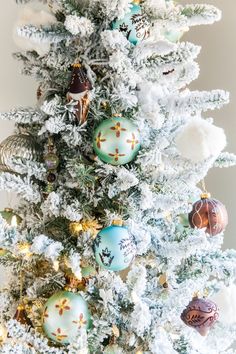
(79, 91)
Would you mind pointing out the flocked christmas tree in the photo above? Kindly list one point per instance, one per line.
(101, 253)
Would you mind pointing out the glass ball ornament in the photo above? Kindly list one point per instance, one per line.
(65, 313)
(114, 248)
(174, 35)
(51, 161)
(116, 141)
(20, 146)
(51, 177)
(134, 25)
(200, 314)
(210, 214)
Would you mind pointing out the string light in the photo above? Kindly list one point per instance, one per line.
(14, 221)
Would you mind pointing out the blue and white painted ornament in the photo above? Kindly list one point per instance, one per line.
(114, 248)
(65, 313)
(134, 25)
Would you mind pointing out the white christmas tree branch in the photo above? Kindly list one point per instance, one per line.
(23, 115)
(52, 34)
(21, 185)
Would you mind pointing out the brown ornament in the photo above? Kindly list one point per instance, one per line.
(78, 91)
(200, 314)
(210, 214)
(21, 316)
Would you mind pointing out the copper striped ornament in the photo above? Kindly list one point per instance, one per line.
(210, 214)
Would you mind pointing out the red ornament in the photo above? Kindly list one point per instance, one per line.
(200, 314)
(78, 91)
(210, 214)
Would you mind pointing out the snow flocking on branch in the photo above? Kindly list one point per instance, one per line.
(147, 83)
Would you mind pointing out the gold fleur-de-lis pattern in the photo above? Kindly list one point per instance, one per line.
(81, 321)
(133, 141)
(62, 306)
(45, 314)
(118, 129)
(116, 155)
(100, 140)
(59, 336)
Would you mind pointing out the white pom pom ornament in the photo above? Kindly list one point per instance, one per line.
(225, 300)
(198, 140)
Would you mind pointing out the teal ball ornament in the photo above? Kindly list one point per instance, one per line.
(65, 313)
(174, 35)
(134, 25)
(114, 248)
(116, 141)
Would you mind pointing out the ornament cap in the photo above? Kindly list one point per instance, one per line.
(76, 65)
(117, 222)
(21, 307)
(117, 115)
(196, 295)
(72, 283)
(205, 195)
(8, 210)
(136, 2)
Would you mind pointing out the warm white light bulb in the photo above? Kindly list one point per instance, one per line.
(14, 221)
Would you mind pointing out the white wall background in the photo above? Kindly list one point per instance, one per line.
(217, 62)
(15, 90)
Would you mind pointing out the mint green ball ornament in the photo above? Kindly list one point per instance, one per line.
(65, 313)
(173, 35)
(116, 141)
(114, 248)
(134, 25)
